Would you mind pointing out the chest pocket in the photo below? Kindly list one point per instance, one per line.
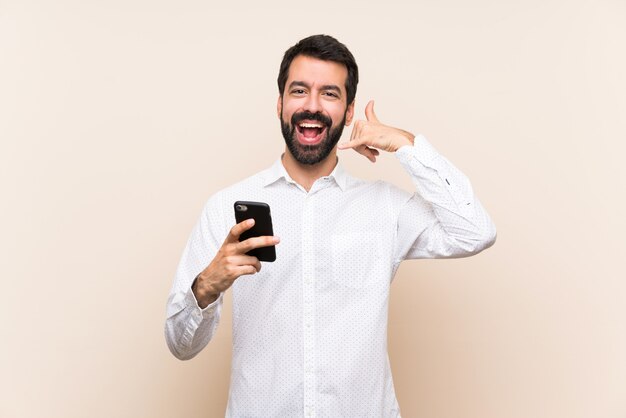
(356, 260)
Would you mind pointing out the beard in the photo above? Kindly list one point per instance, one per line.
(311, 154)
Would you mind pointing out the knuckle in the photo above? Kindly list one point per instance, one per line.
(244, 247)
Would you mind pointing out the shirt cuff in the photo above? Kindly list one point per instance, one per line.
(421, 151)
(199, 313)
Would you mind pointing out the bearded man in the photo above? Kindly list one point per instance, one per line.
(310, 329)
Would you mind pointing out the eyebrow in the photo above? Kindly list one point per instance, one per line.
(332, 87)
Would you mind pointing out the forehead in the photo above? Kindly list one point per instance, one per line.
(315, 71)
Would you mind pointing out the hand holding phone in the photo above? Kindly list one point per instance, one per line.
(260, 212)
(239, 253)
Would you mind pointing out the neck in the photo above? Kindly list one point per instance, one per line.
(305, 174)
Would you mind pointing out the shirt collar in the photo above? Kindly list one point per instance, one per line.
(277, 171)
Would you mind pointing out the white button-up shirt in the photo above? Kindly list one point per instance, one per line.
(310, 329)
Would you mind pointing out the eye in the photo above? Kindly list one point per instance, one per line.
(298, 92)
(331, 94)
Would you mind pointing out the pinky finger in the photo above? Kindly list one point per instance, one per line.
(246, 270)
(367, 153)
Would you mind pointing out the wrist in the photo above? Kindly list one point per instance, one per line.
(404, 138)
(203, 292)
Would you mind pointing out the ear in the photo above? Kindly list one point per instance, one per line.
(350, 113)
(279, 106)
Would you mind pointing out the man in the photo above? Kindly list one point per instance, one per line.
(310, 329)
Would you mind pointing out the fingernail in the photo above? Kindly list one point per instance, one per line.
(276, 240)
(251, 221)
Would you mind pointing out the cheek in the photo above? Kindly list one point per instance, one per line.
(338, 114)
(288, 111)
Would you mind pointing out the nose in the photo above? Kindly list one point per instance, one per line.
(313, 104)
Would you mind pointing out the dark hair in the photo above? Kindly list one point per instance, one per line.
(325, 48)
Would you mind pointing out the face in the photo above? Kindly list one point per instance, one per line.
(313, 109)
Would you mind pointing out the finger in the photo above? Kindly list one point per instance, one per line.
(370, 154)
(369, 112)
(366, 152)
(356, 131)
(353, 137)
(351, 144)
(237, 230)
(244, 270)
(256, 242)
(244, 260)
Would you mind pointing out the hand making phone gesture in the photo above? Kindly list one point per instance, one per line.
(369, 136)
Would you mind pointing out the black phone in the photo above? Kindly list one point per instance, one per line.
(262, 216)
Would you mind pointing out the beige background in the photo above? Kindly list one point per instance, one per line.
(119, 118)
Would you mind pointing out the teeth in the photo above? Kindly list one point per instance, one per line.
(310, 125)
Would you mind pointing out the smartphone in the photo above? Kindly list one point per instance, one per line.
(260, 212)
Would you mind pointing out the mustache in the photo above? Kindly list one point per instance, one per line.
(299, 117)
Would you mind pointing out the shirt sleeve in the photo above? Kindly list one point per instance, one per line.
(188, 328)
(443, 219)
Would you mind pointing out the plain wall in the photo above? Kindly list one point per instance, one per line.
(118, 119)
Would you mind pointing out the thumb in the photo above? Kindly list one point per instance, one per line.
(369, 112)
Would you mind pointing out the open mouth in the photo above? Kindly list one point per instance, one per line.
(310, 132)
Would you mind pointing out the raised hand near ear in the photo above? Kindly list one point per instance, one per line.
(369, 136)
